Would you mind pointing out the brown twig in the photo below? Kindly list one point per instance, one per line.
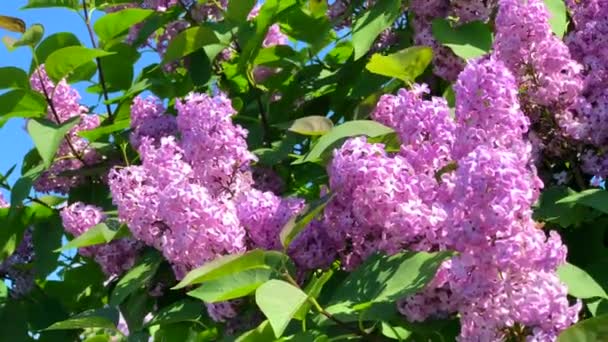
(102, 80)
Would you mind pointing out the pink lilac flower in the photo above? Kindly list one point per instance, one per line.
(213, 145)
(115, 257)
(149, 119)
(481, 208)
(541, 62)
(65, 106)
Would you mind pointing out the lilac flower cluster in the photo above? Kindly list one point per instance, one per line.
(74, 151)
(17, 267)
(193, 197)
(466, 185)
(541, 61)
(587, 118)
(115, 257)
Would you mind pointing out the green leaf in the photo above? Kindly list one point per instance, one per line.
(336, 136)
(313, 290)
(12, 77)
(21, 103)
(384, 279)
(180, 311)
(559, 17)
(113, 25)
(47, 238)
(549, 208)
(98, 234)
(102, 318)
(593, 198)
(12, 24)
(590, 330)
(261, 333)
(300, 25)
(47, 136)
(405, 65)
(13, 222)
(252, 44)
(308, 125)
(394, 332)
(238, 10)
(467, 41)
(118, 68)
(71, 4)
(191, 40)
(54, 42)
(137, 277)
(373, 22)
(102, 131)
(65, 61)
(580, 284)
(21, 189)
(31, 37)
(296, 224)
(230, 264)
(232, 286)
(279, 301)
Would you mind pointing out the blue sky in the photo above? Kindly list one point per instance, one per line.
(14, 139)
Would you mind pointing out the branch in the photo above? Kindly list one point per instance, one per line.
(102, 80)
(56, 116)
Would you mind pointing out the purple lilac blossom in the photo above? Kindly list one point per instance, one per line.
(65, 106)
(115, 257)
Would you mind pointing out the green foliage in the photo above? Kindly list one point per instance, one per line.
(298, 223)
(279, 301)
(47, 136)
(139, 276)
(367, 27)
(381, 280)
(580, 284)
(590, 330)
(338, 134)
(322, 88)
(558, 16)
(405, 65)
(467, 41)
(63, 62)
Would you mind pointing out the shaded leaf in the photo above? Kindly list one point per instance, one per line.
(12, 77)
(373, 22)
(106, 318)
(594, 198)
(296, 224)
(137, 277)
(590, 330)
(467, 41)
(183, 310)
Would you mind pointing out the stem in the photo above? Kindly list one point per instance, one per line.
(263, 114)
(321, 310)
(102, 81)
(35, 200)
(56, 116)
